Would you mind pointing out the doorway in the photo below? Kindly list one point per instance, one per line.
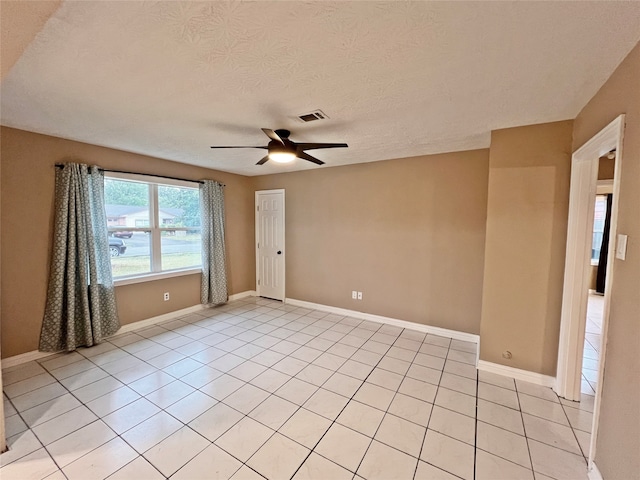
(573, 324)
(598, 266)
(270, 251)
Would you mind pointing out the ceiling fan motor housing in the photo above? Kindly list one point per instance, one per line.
(277, 147)
(282, 150)
(282, 133)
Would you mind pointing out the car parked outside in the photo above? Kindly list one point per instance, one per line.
(117, 247)
(122, 234)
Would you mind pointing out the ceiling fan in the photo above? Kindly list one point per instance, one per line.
(282, 150)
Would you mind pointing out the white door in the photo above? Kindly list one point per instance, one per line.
(270, 253)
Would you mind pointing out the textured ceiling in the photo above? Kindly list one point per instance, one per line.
(397, 79)
(19, 23)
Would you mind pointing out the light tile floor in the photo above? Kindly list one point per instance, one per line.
(259, 389)
(592, 338)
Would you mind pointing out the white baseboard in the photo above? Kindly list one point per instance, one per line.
(443, 332)
(467, 337)
(594, 473)
(129, 327)
(24, 358)
(36, 355)
(518, 374)
(241, 295)
(176, 314)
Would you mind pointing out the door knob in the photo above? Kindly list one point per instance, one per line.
(279, 252)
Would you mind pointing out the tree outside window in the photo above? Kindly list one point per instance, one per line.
(160, 224)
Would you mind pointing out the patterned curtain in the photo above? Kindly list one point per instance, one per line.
(214, 270)
(81, 305)
(601, 274)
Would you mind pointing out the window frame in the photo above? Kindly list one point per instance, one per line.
(596, 261)
(155, 229)
(603, 187)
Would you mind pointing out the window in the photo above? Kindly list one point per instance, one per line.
(154, 227)
(598, 227)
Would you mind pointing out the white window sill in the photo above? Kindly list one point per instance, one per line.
(150, 277)
(595, 263)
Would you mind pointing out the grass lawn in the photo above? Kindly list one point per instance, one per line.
(121, 266)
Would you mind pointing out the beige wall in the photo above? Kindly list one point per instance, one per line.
(605, 168)
(618, 441)
(529, 172)
(408, 233)
(27, 220)
(593, 276)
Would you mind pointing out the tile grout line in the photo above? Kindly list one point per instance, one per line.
(387, 409)
(426, 429)
(180, 421)
(161, 369)
(246, 359)
(42, 446)
(439, 386)
(524, 428)
(243, 463)
(270, 393)
(334, 421)
(82, 403)
(353, 398)
(526, 438)
(45, 447)
(573, 431)
(405, 375)
(100, 418)
(522, 417)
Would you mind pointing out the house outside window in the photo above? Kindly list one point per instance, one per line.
(154, 227)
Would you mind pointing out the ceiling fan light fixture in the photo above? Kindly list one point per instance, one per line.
(282, 157)
(283, 150)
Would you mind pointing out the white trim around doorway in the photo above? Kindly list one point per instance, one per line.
(584, 166)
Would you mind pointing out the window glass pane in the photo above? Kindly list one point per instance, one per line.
(126, 203)
(181, 249)
(127, 206)
(130, 253)
(598, 226)
(134, 231)
(178, 206)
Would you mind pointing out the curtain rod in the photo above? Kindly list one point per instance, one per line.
(61, 165)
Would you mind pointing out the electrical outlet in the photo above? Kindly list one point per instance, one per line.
(354, 295)
(166, 296)
(359, 295)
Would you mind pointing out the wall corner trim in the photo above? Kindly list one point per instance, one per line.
(594, 473)
(516, 373)
(443, 332)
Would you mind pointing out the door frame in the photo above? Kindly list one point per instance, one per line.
(584, 179)
(3, 438)
(257, 239)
